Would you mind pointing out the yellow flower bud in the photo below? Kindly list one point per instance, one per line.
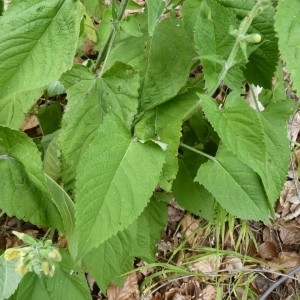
(54, 254)
(45, 267)
(22, 268)
(12, 253)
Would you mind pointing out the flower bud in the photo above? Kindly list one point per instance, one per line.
(25, 237)
(54, 254)
(253, 38)
(12, 253)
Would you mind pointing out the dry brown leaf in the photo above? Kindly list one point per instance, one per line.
(208, 265)
(178, 296)
(287, 260)
(271, 235)
(191, 229)
(31, 121)
(208, 293)
(289, 232)
(267, 250)
(130, 291)
(232, 263)
(294, 126)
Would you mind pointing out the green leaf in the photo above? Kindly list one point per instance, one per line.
(263, 60)
(32, 52)
(164, 123)
(68, 282)
(235, 186)
(190, 194)
(112, 187)
(255, 138)
(14, 108)
(50, 116)
(116, 255)
(90, 99)
(51, 162)
(214, 43)
(190, 11)
(24, 188)
(287, 24)
(55, 88)
(162, 74)
(66, 209)
(94, 8)
(154, 11)
(9, 277)
(161, 65)
(32, 287)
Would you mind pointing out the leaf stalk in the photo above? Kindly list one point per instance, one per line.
(197, 151)
(103, 55)
(241, 32)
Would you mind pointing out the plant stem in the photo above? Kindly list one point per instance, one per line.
(102, 57)
(197, 151)
(244, 26)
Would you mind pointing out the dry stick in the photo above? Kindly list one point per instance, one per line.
(278, 282)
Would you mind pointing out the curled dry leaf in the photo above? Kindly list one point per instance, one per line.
(208, 293)
(207, 265)
(232, 263)
(267, 250)
(271, 235)
(31, 121)
(287, 260)
(191, 229)
(289, 202)
(289, 233)
(130, 291)
(178, 296)
(294, 126)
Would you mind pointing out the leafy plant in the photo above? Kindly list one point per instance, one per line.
(141, 115)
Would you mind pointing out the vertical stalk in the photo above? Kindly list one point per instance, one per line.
(244, 26)
(102, 57)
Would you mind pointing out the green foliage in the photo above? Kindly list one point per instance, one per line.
(24, 189)
(67, 283)
(142, 117)
(9, 278)
(32, 32)
(287, 30)
(105, 181)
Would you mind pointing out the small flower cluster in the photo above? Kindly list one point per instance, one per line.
(38, 257)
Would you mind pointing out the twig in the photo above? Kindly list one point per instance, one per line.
(278, 282)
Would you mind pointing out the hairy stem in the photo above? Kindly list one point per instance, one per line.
(102, 57)
(244, 26)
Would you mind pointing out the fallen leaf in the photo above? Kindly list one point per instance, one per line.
(267, 250)
(287, 260)
(208, 293)
(289, 233)
(130, 291)
(207, 265)
(232, 263)
(191, 229)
